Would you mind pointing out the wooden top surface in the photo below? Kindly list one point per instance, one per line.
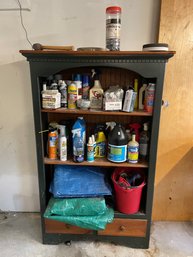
(98, 53)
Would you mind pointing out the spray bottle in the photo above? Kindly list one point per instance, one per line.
(63, 144)
(135, 129)
(78, 147)
(64, 95)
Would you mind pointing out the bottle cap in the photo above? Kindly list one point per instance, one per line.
(90, 141)
(44, 87)
(113, 9)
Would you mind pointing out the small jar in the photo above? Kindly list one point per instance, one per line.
(113, 27)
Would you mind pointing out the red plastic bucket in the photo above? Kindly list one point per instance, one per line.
(127, 200)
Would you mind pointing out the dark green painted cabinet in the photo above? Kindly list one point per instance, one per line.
(116, 68)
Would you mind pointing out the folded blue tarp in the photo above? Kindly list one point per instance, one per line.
(79, 181)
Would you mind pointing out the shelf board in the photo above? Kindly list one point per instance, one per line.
(138, 215)
(103, 162)
(93, 112)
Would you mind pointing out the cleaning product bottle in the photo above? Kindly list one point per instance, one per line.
(72, 95)
(117, 144)
(135, 130)
(83, 128)
(52, 143)
(64, 95)
(100, 149)
(96, 96)
(80, 128)
(90, 150)
(78, 147)
(63, 144)
(51, 99)
(142, 95)
(94, 144)
(149, 97)
(144, 142)
(85, 87)
(78, 82)
(133, 150)
(136, 91)
(109, 126)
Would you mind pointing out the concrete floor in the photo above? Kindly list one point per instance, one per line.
(20, 236)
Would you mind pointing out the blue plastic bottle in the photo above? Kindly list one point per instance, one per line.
(79, 139)
(78, 148)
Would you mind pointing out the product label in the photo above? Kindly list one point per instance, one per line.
(110, 106)
(113, 28)
(100, 149)
(85, 91)
(96, 100)
(133, 154)
(72, 100)
(90, 153)
(52, 146)
(51, 101)
(64, 98)
(117, 153)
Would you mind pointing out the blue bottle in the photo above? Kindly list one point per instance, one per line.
(78, 147)
(85, 87)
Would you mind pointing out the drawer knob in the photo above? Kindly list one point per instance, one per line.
(122, 228)
(67, 226)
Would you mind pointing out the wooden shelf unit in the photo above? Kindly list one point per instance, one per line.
(117, 68)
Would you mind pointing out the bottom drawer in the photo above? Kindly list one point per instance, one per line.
(125, 227)
(54, 226)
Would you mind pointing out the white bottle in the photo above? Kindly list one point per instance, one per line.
(51, 99)
(63, 144)
(96, 96)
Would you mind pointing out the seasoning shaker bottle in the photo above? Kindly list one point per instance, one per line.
(113, 27)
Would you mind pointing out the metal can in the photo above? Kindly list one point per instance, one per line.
(52, 144)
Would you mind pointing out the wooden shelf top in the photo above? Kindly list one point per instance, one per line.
(103, 162)
(98, 53)
(93, 112)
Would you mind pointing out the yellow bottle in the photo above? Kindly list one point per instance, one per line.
(136, 90)
(133, 150)
(72, 96)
